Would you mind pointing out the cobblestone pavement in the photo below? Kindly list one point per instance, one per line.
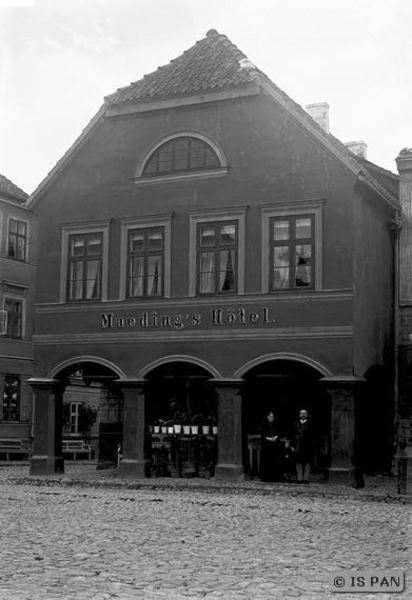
(82, 542)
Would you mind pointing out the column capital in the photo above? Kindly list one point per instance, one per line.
(130, 382)
(227, 382)
(43, 382)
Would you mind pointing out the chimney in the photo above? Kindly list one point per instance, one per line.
(359, 148)
(404, 164)
(319, 113)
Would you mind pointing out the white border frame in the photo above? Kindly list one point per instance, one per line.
(312, 207)
(221, 214)
(144, 223)
(79, 229)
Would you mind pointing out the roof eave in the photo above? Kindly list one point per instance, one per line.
(34, 198)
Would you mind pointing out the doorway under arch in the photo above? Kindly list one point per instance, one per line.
(284, 387)
(178, 393)
(91, 411)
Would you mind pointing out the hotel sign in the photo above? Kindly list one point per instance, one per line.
(210, 318)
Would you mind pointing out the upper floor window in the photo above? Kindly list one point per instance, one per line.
(17, 242)
(292, 252)
(14, 311)
(217, 257)
(181, 154)
(145, 262)
(85, 259)
(11, 398)
(292, 246)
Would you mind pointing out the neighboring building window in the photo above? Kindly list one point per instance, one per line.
(85, 259)
(292, 252)
(217, 258)
(181, 154)
(17, 239)
(11, 398)
(75, 408)
(14, 310)
(145, 262)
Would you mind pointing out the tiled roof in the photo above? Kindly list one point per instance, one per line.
(212, 63)
(11, 191)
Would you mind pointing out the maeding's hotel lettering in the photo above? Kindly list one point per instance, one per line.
(216, 317)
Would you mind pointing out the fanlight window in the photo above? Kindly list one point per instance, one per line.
(181, 155)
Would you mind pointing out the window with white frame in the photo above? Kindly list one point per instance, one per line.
(14, 317)
(217, 252)
(217, 257)
(145, 268)
(17, 240)
(75, 408)
(84, 262)
(182, 155)
(11, 398)
(292, 246)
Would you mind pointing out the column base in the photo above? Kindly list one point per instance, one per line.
(133, 468)
(404, 475)
(46, 465)
(342, 475)
(229, 472)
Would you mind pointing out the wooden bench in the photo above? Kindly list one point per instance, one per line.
(14, 446)
(76, 447)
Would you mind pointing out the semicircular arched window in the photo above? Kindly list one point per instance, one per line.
(181, 155)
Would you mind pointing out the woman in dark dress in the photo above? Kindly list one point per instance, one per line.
(270, 450)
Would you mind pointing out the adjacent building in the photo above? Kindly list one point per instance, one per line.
(209, 251)
(18, 238)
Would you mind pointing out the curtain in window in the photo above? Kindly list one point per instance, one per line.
(136, 277)
(207, 273)
(281, 267)
(93, 279)
(226, 275)
(303, 265)
(76, 280)
(154, 284)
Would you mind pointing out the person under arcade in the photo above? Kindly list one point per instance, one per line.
(270, 450)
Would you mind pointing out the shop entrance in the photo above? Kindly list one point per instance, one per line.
(181, 418)
(285, 387)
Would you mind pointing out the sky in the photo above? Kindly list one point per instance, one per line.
(59, 58)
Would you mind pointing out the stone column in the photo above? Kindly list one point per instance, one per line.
(47, 458)
(135, 459)
(344, 442)
(230, 464)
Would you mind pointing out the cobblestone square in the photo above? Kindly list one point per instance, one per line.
(83, 542)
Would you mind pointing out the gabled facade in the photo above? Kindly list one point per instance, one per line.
(17, 275)
(209, 243)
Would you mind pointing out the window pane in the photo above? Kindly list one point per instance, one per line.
(228, 234)
(182, 145)
(136, 241)
(77, 247)
(303, 265)
(184, 154)
(281, 278)
(281, 230)
(154, 283)
(94, 246)
(93, 279)
(13, 226)
(21, 228)
(155, 239)
(227, 271)
(281, 256)
(303, 228)
(207, 271)
(207, 236)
